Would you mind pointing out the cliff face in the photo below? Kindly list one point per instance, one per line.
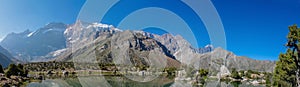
(122, 48)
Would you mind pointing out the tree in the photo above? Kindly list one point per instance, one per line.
(22, 72)
(202, 76)
(242, 73)
(293, 43)
(284, 73)
(203, 72)
(20, 66)
(287, 69)
(14, 70)
(171, 71)
(1, 69)
(235, 74)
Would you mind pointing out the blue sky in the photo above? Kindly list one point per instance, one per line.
(19, 15)
(258, 28)
(254, 28)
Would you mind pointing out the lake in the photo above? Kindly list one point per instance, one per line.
(118, 81)
(101, 81)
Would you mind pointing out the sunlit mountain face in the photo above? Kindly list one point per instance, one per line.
(58, 43)
(149, 43)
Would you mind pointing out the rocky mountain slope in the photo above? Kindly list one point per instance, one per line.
(220, 57)
(86, 40)
(102, 43)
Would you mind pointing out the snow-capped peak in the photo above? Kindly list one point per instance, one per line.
(209, 46)
(103, 26)
(95, 25)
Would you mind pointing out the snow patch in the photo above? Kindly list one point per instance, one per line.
(99, 25)
(58, 52)
(30, 34)
(55, 29)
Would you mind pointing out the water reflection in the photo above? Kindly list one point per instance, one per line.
(229, 84)
(117, 81)
(107, 81)
(50, 83)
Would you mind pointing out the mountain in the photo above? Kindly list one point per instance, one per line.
(33, 46)
(96, 42)
(81, 32)
(5, 57)
(220, 57)
(208, 57)
(5, 61)
(178, 46)
(102, 43)
(206, 49)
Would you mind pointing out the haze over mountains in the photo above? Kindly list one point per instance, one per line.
(61, 42)
(5, 57)
(31, 46)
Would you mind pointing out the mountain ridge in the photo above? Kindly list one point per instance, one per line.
(180, 49)
(80, 36)
(30, 45)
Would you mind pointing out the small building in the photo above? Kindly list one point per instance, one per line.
(255, 82)
(254, 76)
(65, 73)
(261, 75)
(142, 73)
(181, 73)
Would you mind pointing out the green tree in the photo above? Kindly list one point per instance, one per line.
(14, 70)
(20, 66)
(1, 69)
(22, 72)
(203, 72)
(293, 43)
(284, 73)
(287, 69)
(202, 76)
(242, 74)
(171, 71)
(235, 74)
